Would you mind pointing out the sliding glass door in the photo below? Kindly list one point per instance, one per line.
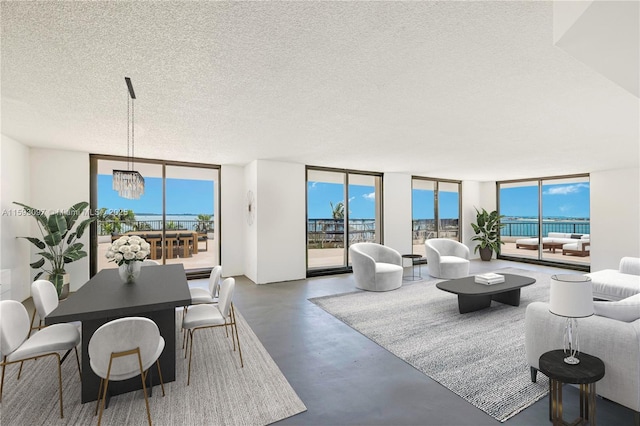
(547, 219)
(177, 214)
(435, 211)
(343, 208)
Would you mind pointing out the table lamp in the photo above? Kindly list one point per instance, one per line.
(571, 297)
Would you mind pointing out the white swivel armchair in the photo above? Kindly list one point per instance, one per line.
(376, 267)
(447, 258)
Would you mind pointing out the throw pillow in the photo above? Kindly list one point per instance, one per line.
(576, 236)
(626, 310)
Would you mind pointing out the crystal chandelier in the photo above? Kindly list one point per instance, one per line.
(129, 183)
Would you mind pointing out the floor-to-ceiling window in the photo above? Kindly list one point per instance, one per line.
(555, 209)
(177, 214)
(343, 207)
(435, 211)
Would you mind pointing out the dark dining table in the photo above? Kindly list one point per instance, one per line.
(156, 294)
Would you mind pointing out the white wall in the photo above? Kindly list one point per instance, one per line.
(397, 211)
(60, 179)
(250, 234)
(14, 186)
(615, 217)
(471, 197)
(232, 201)
(280, 221)
(273, 248)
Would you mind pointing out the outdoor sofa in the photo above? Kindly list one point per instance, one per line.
(569, 243)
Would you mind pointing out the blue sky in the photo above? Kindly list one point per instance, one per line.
(184, 196)
(362, 201)
(560, 200)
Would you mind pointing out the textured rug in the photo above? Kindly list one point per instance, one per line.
(220, 393)
(480, 356)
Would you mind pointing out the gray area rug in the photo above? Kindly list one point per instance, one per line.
(220, 393)
(480, 356)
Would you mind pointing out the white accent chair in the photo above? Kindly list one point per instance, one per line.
(16, 346)
(122, 349)
(447, 258)
(376, 267)
(204, 316)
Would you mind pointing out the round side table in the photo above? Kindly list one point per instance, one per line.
(586, 374)
(414, 258)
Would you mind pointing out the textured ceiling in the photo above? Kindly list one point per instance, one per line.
(463, 90)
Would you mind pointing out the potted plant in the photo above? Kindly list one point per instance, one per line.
(59, 244)
(487, 229)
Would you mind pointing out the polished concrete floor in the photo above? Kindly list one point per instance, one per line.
(345, 379)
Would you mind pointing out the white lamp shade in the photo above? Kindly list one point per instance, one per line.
(571, 296)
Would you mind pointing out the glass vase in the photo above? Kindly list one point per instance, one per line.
(129, 272)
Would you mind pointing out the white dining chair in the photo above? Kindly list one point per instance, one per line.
(122, 349)
(16, 345)
(201, 295)
(45, 300)
(205, 316)
(149, 262)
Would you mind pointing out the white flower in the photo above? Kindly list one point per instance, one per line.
(128, 248)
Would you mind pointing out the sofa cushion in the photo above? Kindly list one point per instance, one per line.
(630, 265)
(609, 284)
(576, 246)
(626, 310)
(576, 236)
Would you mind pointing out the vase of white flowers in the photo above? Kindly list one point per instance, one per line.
(128, 253)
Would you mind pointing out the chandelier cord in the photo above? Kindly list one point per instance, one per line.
(129, 183)
(128, 130)
(132, 133)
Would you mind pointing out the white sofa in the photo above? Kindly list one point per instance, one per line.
(615, 342)
(612, 284)
(376, 267)
(557, 240)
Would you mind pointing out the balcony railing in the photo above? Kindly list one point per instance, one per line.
(518, 228)
(108, 227)
(323, 233)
